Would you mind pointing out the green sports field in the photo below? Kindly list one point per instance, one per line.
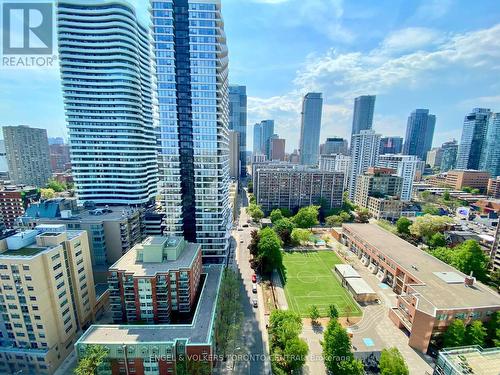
(310, 281)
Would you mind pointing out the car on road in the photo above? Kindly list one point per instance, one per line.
(240, 229)
(255, 303)
(245, 225)
(254, 278)
(241, 241)
(254, 288)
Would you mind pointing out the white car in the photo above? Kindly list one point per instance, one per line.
(255, 303)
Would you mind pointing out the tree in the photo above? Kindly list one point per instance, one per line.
(93, 357)
(333, 313)
(437, 240)
(444, 253)
(307, 217)
(284, 228)
(362, 215)
(337, 350)
(275, 215)
(493, 330)
(269, 250)
(294, 355)
(314, 313)
(475, 333)
(425, 226)
(286, 212)
(455, 334)
(47, 193)
(446, 195)
(250, 186)
(392, 363)
(334, 221)
(254, 242)
(468, 257)
(255, 212)
(403, 225)
(430, 209)
(55, 185)
(299, 236)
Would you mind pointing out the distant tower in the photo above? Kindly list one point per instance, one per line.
(419, 133)
(362, 119)
(365, 149)
(238, 120)
(490, 159)
(473, 136)
(312, 106)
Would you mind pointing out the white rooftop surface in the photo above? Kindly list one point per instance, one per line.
(359, 285)
(346, 270)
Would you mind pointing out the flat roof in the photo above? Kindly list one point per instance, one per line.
(346, 270)
(198, 332)
(128, 262)
(434, 292)
(359, 285)
(480, 361)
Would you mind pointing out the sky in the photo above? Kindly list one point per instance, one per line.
(443, 55)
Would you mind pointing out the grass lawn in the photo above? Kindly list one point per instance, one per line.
(310, 281)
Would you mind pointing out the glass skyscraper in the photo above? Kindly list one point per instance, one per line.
(449, 156)
(108, 88)
(257, 138)
(310, 128)
(490, 158)
(192, 78)
(419, 133)
(391, 145)
(238, 120)
(473, 135)
(362, 119)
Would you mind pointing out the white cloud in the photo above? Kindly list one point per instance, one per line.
(411, 38)
(343, 76)
(433, 9)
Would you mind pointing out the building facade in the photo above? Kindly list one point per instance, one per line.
(336, 163)
(430, 293)
(419, 133)
(257, 138)
(234, 154)
(192, 80)
(109, 109)
(13, 202)
(379, 183)
(310, 128)
(434, 157)
(473, 136)
(365, 148)
(490, 155)
(238, 120)
(154, 280)
(278, 148)
(449, 156)
(406, 166)
(59, 158)
(334, 145)
(493, 188)
(364, 107)
(294, 187)
(28, 156)
(47, 297)
(391, 145)
(458, 179)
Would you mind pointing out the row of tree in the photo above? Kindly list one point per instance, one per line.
(475, 333)
(265, 248)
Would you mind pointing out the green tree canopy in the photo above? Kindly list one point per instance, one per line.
(47, 193)
(403, 225)
(468, 257)
(93, 357)
(392, 363)
(314, 313)
(362, 215)
(275, 215)
(455, 334)
(300, 236)
(333, 312)
(269, 250)
(55, 185)
(284, 228)
(475, 334)
(493, 329)
(426, 226)
(436, 240)
(255, 212)
(286, 212)
(307, 217)
(430, 209)
(337, 345)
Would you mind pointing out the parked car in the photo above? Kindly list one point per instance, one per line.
(255, 303)
(245, 225)
(254, 278)
(254, 288)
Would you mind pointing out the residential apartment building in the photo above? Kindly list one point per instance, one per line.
(419, 133)
(362, 119)
(378, 183)
(434, 157)
(238, 120)
(458, 179)
(234, 153)
(47, 297)
(155, 279)
(391, 145)
(109, 110)
(277, 148)
(365, 148)
(28, 156)
(192, 87)
(312, 106)
(336, 163)
(406, 167)
(494, 187)
(490, 155)
(473, 136)
(59, 158)
(430, 293)
(13, 202)
(495, 250)
(335, 145)
(386, 208)
(294, 187)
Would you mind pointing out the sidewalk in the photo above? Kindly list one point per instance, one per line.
(279, 292)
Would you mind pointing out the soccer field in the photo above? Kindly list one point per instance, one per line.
(310, 281)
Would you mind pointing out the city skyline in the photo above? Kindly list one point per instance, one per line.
(435, 32)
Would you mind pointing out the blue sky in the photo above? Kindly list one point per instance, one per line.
(438, 54)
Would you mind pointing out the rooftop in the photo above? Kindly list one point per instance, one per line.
(434, 292)
(199, 331)
(476, 360)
